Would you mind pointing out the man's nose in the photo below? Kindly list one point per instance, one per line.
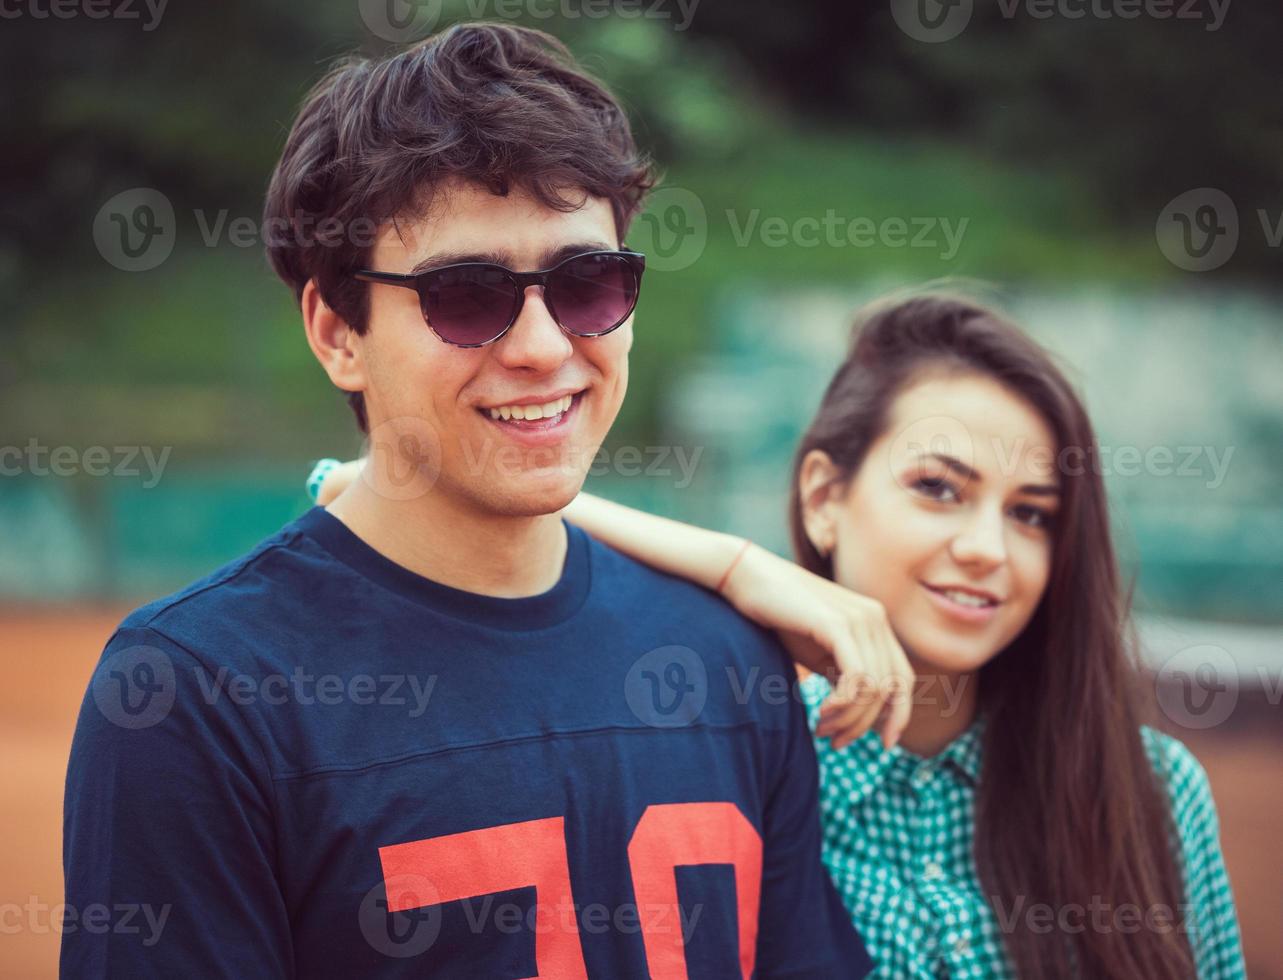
(535, 342)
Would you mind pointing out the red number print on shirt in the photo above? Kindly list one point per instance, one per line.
(533, 853)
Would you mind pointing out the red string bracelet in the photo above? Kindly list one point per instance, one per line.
(735, 561)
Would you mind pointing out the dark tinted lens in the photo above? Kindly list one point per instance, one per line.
(592, 293)
(471, 304)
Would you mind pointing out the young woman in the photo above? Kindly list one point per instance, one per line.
(1016, 818)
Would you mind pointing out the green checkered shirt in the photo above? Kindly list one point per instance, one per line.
(898, 833)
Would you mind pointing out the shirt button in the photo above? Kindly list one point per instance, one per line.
(921, 776)
(933, 871)
(962, 947)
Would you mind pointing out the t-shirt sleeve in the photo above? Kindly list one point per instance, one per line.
(168, 841)
(803, 930)
(1210, 917)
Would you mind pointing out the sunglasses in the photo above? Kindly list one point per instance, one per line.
(472, 304)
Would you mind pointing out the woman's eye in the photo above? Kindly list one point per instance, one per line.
(934, 487)
(1033, 516)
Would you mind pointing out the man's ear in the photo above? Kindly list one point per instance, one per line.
(333, 341)
(820, 491)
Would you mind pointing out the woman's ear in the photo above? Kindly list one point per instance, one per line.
(332, 339)
(820, 488)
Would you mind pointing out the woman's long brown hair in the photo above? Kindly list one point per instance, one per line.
(1069, 811)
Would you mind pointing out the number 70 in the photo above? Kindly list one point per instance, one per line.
(533, 852)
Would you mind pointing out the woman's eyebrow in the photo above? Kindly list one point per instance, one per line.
(967, 473)
(1040, 490)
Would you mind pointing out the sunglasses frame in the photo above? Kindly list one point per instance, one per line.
(417, 281)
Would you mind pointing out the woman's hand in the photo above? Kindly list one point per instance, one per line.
(832, 631)
(337, 480)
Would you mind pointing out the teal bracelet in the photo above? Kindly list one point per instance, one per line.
(322, 469)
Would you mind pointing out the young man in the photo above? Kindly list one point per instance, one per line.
(433, 730)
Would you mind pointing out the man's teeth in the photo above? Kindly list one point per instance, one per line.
(530, 412)
(966, 598)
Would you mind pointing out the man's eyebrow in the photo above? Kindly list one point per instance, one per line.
(550, 258)
(547, 259)
(967, 473)
(438, 260)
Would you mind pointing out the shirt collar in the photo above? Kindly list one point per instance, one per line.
(964, 752)
(876, 764)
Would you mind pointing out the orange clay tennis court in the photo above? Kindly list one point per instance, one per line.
(49, 653)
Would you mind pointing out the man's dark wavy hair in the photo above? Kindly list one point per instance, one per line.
(500, 105)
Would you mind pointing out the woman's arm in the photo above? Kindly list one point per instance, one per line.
(825, 627)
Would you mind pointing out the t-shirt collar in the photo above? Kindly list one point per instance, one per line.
(541, 611)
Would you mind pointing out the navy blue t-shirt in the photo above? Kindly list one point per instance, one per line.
(315, 762)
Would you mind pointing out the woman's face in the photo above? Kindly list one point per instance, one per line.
(948, 520)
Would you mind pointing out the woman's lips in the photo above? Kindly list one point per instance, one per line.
(972, 615)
